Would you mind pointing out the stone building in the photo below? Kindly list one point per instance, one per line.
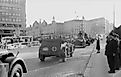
(12, 17)
(72, 27)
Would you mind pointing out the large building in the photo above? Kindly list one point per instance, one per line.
(12, 17)
(71, 27)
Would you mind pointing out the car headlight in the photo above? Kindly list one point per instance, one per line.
(45, 49)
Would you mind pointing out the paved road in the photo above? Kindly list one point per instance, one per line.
(52, 66)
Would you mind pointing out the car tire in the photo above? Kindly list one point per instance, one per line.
(63, 60)
(16, 71)
(71, 54)
(42, 58)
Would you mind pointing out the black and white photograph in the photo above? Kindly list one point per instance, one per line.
(60, 38)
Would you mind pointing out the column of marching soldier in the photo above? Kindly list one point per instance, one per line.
(113, 52)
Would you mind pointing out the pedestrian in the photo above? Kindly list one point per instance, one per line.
(120, 51)
(98, 45)
(110, 52)
(117, 56)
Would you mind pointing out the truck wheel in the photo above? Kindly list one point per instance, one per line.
(16, 71)
(42, 58)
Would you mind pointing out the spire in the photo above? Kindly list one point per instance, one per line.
(44, 23)
(53, 20)
(83, 18)
(40, 21)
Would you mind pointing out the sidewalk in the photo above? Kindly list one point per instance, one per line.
(98, 67)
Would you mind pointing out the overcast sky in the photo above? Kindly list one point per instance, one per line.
(64, 10)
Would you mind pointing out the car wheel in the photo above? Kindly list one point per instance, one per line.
(71, 54)
(63, 60)
(42, 58)
(16, 71)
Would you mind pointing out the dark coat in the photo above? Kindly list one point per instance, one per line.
(111, 47)
(98, 44)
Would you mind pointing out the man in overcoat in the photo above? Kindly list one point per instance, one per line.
(110, 52)
(98, 45)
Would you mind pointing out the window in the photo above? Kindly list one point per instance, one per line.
(9, 19)
(19, 9)
(9, 14)
(6, 1)
(13, 14)
(14, 20)
(16, 1)
(18, 14)
(9, 8)
(6, 19)
(19, 20)
(10, 1)
(6, 13)
(6, 7)
(3, 13)
(3, 19)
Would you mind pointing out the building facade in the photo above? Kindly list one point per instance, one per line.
(12, 17)
(72, 27)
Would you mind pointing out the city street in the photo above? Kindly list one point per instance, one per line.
(52, 67)
(59, 26)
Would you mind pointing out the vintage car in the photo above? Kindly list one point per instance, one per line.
(11, 65)
(35, 43)
(80, 43)
(55, 47)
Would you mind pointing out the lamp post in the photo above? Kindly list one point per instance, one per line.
(82, 26)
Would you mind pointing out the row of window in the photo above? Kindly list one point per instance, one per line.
(10, 20)
(10, 14)
(10, 8)
(11, 1)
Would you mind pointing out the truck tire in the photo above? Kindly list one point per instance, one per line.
(16, 71)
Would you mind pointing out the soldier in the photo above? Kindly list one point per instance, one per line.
(120, 51)
(117, 56)
(98, 45)
(110, 52)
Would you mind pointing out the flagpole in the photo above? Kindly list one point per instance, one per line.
(114, 16)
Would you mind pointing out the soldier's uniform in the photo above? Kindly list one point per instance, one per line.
(117, 56)
(120, 52)
(110, 52)
(98, 45)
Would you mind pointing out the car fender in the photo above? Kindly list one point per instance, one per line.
(16, 60)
